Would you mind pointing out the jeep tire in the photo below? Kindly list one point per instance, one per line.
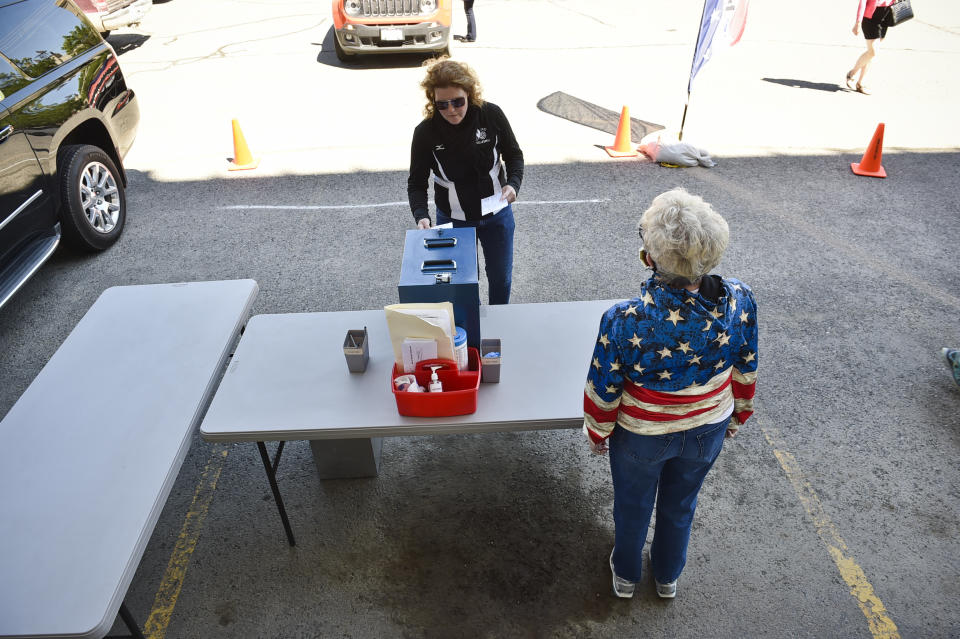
(93, 205)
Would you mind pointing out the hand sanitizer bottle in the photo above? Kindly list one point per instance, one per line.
(435, 385)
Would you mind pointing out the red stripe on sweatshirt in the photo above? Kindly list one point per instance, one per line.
(650, 416)
(744, 391)
(597, 413)
(669, 399)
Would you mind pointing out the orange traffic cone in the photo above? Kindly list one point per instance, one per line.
(621, 145)
(242, 159)
(870, 164)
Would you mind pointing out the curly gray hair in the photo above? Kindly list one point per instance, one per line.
(683, 235)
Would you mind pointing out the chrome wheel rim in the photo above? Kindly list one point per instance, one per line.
(99, 197)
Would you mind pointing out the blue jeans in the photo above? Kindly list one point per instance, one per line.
(471, 21)
(671, 469)
(495, 234)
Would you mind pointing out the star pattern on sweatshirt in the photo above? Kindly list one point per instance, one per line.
(630, 310)
(596, 363)
(749, 357)
(647, 299)
(614, 366)
(685, 347)
(675, 316)
(722, 339)
(744, 316)
(664, 353)
(603, 340)
(665, 375)
(635, 340)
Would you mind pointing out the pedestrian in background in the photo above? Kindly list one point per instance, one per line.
(465, 141)
(673, 373)
(471, 23)
(874, 16)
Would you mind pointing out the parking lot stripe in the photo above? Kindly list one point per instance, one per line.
(881, 626)
(166, 598)
(340, 207)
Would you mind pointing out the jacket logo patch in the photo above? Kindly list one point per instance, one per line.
(481, 135)
(439, 147)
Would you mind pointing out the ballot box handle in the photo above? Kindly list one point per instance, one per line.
(433, 266)
(439, 242)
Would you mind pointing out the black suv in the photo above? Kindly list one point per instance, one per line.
(67, 119)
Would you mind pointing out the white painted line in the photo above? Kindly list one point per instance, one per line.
(330, 207)
(338, 207)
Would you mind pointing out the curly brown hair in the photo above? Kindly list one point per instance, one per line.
(444, 72)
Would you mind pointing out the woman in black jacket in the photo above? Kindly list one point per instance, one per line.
(462, 140)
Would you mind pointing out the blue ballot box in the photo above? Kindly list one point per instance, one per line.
(440, 265)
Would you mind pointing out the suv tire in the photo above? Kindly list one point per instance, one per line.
(93, 203)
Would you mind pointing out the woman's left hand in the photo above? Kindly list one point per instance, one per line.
(731, 433)
(509, 194)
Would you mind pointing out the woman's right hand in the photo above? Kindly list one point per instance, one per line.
(856, 28)
(423, 223)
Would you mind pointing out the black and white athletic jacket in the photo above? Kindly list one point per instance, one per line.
(468, 174)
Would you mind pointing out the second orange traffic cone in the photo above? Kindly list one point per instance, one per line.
(242, 158)
(621, 145)
(870, 164)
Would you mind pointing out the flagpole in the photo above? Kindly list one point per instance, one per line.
(682, 121)
(692, 62)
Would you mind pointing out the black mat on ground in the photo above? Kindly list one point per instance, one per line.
(588, 114)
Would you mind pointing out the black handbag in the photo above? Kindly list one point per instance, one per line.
(900, 11)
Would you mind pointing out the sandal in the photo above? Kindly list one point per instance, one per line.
(863, 89)
(850, 84)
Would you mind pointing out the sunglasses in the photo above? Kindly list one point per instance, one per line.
(443, 105)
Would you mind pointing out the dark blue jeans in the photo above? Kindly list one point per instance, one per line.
(495, 234)
(669, 469)
(471, 21)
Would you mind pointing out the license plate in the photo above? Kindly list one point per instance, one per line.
(391, 35)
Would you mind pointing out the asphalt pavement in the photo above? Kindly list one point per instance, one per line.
(834, 513)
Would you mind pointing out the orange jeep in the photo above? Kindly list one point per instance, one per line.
(364, 27)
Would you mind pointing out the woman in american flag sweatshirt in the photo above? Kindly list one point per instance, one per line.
(673, 372)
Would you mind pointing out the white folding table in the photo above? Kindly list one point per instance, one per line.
(289, 381)
(94, 445)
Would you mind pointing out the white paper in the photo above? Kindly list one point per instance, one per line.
(416, 350)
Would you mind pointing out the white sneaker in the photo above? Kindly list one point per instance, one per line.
(666, 591)
(621, 587)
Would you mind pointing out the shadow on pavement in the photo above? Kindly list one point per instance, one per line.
(124, 42)
(507, 535)
(804, 84)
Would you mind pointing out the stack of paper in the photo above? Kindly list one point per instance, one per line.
(420, 331)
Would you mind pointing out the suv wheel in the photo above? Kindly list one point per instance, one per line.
(93, 204)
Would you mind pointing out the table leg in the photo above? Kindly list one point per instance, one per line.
(347, 458)
(129, 622)
(271, 468)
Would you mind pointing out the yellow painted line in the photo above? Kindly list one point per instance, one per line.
(169, 590)
(881, 626)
